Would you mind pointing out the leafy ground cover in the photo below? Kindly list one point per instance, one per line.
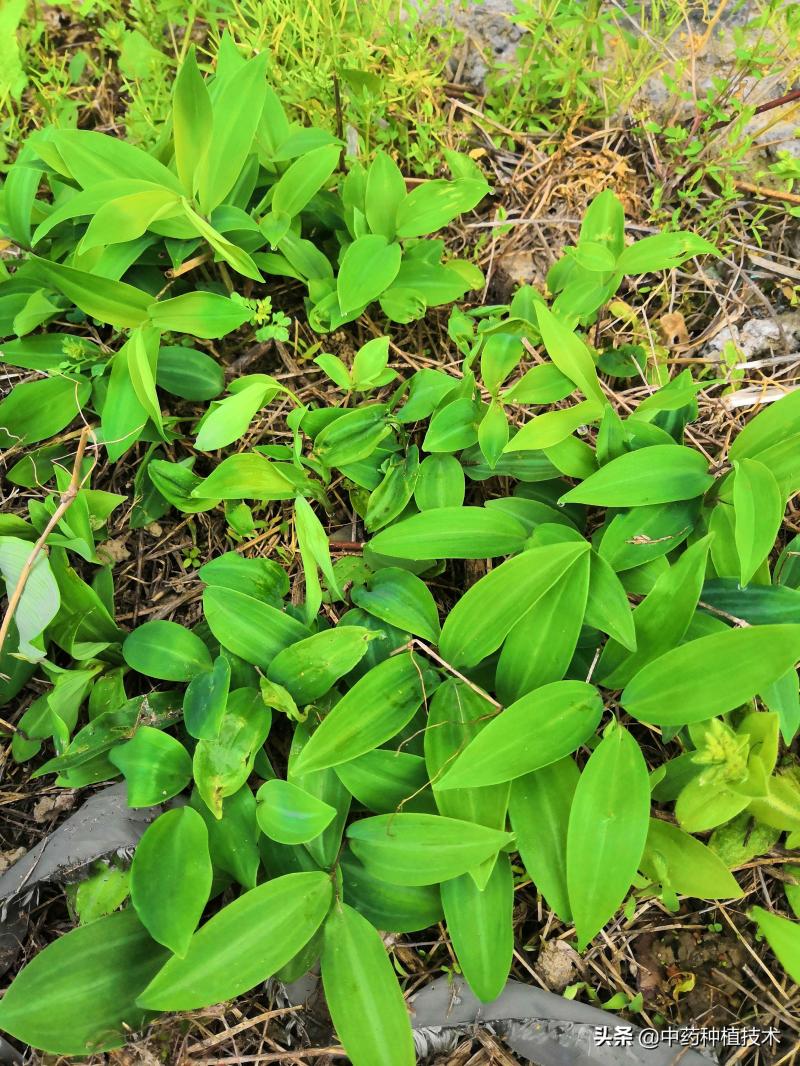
(403, 544)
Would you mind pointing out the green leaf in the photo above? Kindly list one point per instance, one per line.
(662, 251)
(372, 712)
(310, 668)
(711, 675)
(78, 996)
(115, 302)
(244, 944)
(658, 474)
(453, 426)
(232, 839)
(190, 374)
(541, 645)
(289, 814)
(40, 600)
(758, 505)
(314, 552)
(570, 354)
(201, 314)
(385, 191)
(607, 607)
(451, 533)
(205, 699)
(237, 108)
(303, 179)
(246, 476)
(142, 353)
(384, 780)
(368, 267)
(691, 868)
(434, 204)
(457, 715)
(401, 599)
(352, 436)
(393, 494)
(171, 877)
(156, 766)
(222, 764)
(539, 807)
(36, 410)
(608, 826)
(481, 929)
(101, 893)
(230, 253)
(440, 483)
(248, 627)
(361, 989)
(126, 218)
(422, 849)
(782, 935)
(191, 121)
(539, 729)
(167, 651)
(661, 619)
(395, 908)
(487, 612)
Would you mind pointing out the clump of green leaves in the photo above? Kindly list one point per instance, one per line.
(135, 251)
(631, 594)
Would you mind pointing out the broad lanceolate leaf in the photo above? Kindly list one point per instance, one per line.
(539, 729)
(201, 314)
(422, 849)
(401, 599)
(115, 302)
(304, 178)
(222, 764)
(249, 627)
(435, 203)
(658, 474)
(393, 908)
(205, 698)
(244, 944)
(539, 807)
(783, 936)
(375, 708)
(236, 114)
(608, 827)
(570, 354)
(758, 505)
(171, 877)
(78, 996)
(191, 121)
(711, 675)
(486, 613)
(384, 780)
(167, 651)
(247, 476)
(451, 533)
(362, 992)
(540, 646)
(156, 766)
(369, 266)
(289, 814)
(457, 715)
(481, 929)
(684, 864)
(661, 619)
(310, 668)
